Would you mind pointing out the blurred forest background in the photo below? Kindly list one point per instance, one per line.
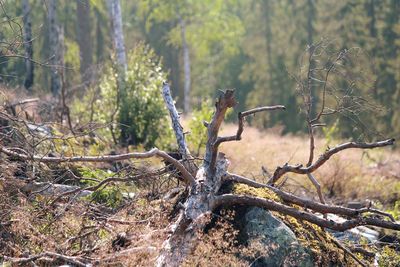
(86, 77)
(255, 46)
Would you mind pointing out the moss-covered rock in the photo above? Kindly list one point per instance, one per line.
(281, 247)
(287, 238)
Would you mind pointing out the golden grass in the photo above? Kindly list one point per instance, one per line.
(352, 174)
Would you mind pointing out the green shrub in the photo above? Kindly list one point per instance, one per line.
(136, 115)
(109, 195)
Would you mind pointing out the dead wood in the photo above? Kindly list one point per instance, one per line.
(306, 203)
(155, 152)
(299, 169)
(232, 199)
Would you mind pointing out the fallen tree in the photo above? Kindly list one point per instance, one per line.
(204, 183)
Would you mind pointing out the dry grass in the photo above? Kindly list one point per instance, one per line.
(28, 225)
(352, 174)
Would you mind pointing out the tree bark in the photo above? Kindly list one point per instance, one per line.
(186, 67)
(201, 200)
(114, 7)
(84, 39)
(56, 53)
(29, 78)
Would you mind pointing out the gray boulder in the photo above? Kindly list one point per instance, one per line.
(277, 242)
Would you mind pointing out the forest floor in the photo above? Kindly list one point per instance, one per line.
(108, 229)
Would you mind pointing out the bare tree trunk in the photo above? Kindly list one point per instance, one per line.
(56, 56)
(310, 36)
(84, 38)
(186, 67)
(114, 7)
(200, 203)
(26, 9)
(268, 39)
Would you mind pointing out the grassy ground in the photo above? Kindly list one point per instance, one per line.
(352, 175)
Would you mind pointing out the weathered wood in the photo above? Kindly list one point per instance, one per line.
(193, 218)
(178, 130)
(231, 199)
(155, 152)
(325, 157)
(225, 100)
(176, 125)
(307, 203)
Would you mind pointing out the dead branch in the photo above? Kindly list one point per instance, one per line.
(78, 261)
(178, 129)
(128, 251)
(348, 251)
(225, 100)
(231, 199)
(299, 169)
(317, 186)
(241, 116)
(108, 158)
(306, 203)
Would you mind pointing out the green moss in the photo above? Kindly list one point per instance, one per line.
(389, 258)
(313, 237)
(242, 189)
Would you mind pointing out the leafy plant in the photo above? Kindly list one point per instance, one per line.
(198, 133)
(136, 114)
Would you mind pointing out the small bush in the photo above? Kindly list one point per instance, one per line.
(136, 114)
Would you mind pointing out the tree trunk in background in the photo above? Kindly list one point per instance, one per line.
(84, 39)
(186, 68)
(26, 9)
(114, 7)
(100, 41)
(55, 48)
(268, 39)
(310, 33)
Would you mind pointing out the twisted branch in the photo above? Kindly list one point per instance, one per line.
(306, 203)
(155, 152)
(299, 169)
(231, 199)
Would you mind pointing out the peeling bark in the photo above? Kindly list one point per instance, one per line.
(178, 129)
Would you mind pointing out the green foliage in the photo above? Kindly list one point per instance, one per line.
(143, 118)
(109, 195)
(253, 46)
(97, 174)
(198, 133)
(389, 258)
(136, 113)
(331, 132)
(396, 210)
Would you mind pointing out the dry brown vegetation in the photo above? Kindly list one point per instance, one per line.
(131, 232)
(355, 174)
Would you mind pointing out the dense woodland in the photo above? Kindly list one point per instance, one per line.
(120, 124)
(256, 47)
